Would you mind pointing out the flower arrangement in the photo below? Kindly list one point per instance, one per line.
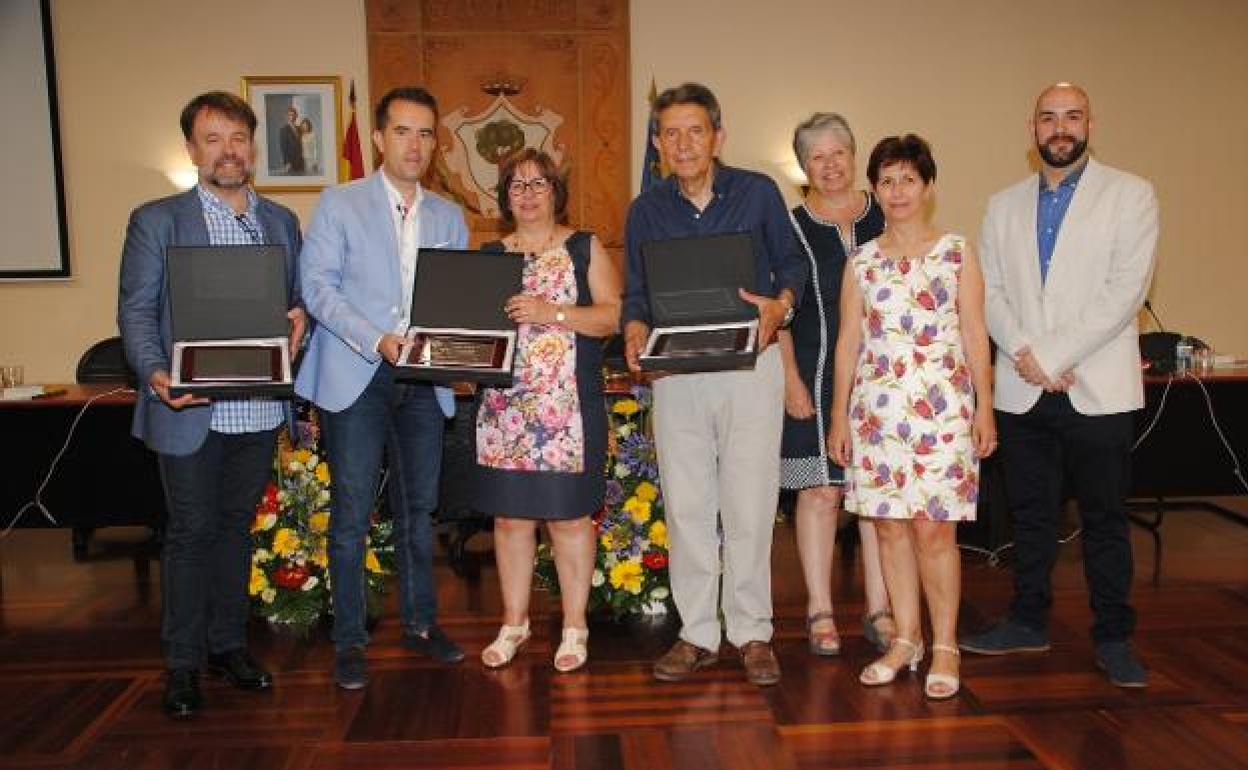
(290, 536)
(630, 567)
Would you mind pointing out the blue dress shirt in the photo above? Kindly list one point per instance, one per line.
(1051, 211)
(741, 201)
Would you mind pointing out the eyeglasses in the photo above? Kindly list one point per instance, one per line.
(539, 185)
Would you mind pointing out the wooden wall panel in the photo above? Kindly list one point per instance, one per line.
(568, 58)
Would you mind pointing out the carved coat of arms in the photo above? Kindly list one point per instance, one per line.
(480, 143)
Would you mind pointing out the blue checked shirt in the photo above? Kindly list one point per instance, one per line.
(225, 228)
(1050, 212)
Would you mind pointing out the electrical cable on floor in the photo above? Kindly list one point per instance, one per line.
(994, 554)
(37, 502)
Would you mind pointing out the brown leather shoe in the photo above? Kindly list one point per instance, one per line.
(682, 660)
(761, 666)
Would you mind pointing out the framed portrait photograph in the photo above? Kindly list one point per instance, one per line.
(299, 132)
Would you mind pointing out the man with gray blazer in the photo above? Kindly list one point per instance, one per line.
(1068, 256)
(214, 458)
(359, 268)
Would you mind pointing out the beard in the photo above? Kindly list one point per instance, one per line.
(1058, 158)
(227, 179)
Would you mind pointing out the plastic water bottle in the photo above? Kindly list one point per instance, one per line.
(1183, 356)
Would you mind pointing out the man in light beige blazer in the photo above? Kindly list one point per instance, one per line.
(1067, 257)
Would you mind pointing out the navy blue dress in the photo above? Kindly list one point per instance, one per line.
(804, 460)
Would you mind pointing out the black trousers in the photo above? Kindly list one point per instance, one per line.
(1045, 453)
(211, 496)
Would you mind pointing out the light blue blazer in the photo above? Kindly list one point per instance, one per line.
(351, 286)
(143, 307)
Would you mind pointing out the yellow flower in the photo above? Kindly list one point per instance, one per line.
(285, 542)
(370, 562)
(607, 541)
(626, 406)
(320, 557)
(319, 521)
(322, 473)
(628, 576)
(638, 509)
(264, 523)
(647, 491)
(658, 534)
(258, 581)
(302, 456)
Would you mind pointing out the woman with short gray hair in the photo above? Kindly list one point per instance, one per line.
(831, 222)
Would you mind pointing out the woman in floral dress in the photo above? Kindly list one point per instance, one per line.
(912, 405)
(541, 444)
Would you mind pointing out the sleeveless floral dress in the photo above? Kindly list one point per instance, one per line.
(912, 403)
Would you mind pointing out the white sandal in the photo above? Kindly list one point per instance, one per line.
(879, 672)
(574, 645)
(509, 641)
(950, 681)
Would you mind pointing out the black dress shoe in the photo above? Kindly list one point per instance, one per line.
(182, 696)
(239, 669)
(433, 643)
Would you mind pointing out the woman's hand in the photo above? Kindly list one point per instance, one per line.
(525, 309)
(797, 401)
(984, 432)
(838, 441)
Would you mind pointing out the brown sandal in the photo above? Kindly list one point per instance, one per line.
(824, 643)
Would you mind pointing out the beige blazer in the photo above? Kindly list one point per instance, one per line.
(1083, 317)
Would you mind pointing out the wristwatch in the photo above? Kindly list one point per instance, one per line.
(788, 316)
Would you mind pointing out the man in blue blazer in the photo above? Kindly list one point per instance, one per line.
(214, 458)
(359, 265)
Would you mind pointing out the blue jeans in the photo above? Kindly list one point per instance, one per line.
(211, 495)
(403, 419)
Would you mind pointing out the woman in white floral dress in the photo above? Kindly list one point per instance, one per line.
(912, 405)
(541, 444)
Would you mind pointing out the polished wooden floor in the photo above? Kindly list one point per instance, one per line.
(80, 681)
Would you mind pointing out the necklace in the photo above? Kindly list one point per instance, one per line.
(546, 243)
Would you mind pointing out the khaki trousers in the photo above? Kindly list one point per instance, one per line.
(718, 441)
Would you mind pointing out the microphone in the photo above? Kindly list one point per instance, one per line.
(1149, 307)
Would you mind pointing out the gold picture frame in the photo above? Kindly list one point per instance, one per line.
(299, 131)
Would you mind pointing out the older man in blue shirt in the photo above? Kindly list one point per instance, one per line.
(718, 434)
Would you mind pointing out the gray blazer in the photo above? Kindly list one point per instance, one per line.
(143, 308)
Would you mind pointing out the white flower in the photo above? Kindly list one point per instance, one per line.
(323, 497)
(660, 593)
(262, 555)
(621, 470)
(625, 431)
(294, 466)
(312, 462)
(268, 595)
(310, 583)
(598, 578)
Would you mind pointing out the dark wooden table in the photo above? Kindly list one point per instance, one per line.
(105, 477)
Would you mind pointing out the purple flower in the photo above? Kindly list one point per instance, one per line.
(882, 509)
(903, 430)
(936, 510)
(883, 294)
(907, 322)
(614, 493)
(882, 401)
(883, 473)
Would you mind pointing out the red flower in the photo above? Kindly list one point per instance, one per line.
(903, 265)
(290, 576)
(654, 560)
(268, 503)
(922, 408)
(946, 437)
(899, 368)
(919, 358)
(899, 478)
(926, 300)
(919, 469)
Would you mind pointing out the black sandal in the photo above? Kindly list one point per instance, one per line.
(824, 643)
(873, 633)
